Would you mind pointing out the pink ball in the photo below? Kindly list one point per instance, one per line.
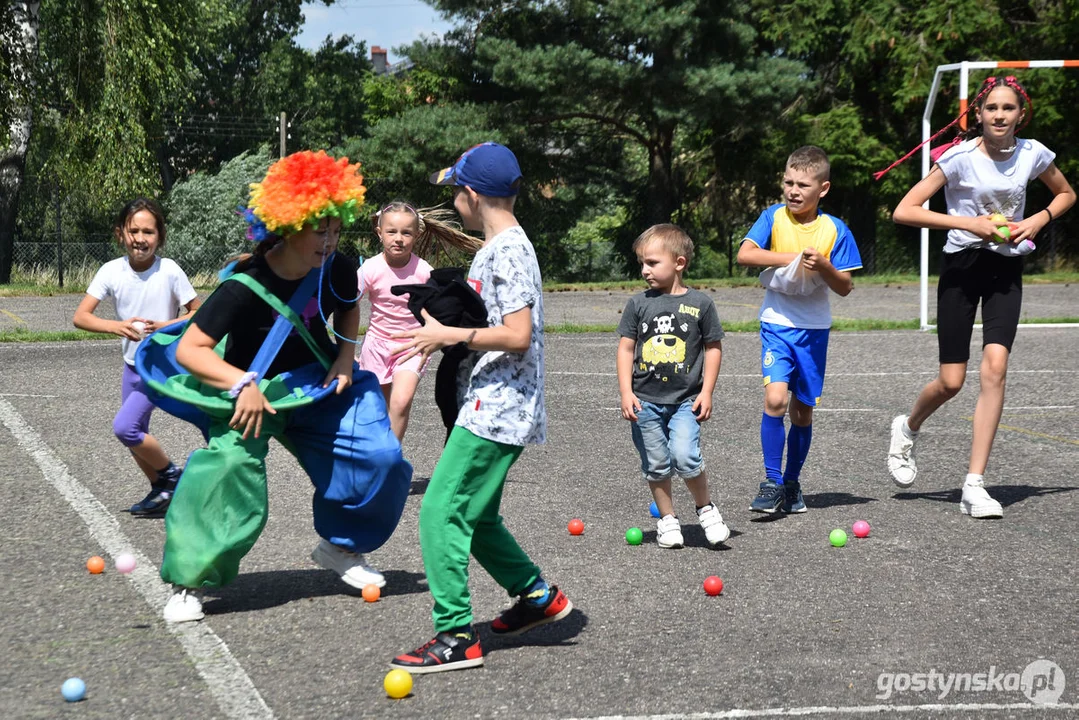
(125, 563)
(861, 529)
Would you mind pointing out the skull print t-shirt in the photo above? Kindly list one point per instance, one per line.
(670, 332)
(504, 397)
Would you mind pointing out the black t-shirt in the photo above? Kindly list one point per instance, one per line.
(235, 310)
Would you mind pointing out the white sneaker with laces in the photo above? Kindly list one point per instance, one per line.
(977, 503)
(714, 528)
(185, 605)
(901, 462)
(669, 532)
(351, 566)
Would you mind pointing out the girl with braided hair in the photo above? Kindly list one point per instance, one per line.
(407, 235)
(984, 174)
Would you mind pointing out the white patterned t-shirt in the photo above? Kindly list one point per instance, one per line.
(504, 397)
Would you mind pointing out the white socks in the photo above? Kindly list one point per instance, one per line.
(911, 434)
(974, 479)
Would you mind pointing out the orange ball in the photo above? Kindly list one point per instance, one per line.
(371, 593)
(575, 527)
(96, 565)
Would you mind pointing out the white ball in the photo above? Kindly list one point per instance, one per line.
(139, 326)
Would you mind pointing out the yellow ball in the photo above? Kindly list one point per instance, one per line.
(398, 683)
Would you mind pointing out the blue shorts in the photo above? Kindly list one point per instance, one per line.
(796, 357)
(668, 438)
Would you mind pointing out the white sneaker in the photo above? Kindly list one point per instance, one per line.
(669, 532)
(901, 455)
(712, 522)
(977, 503)
(349, 565)
(185, 605)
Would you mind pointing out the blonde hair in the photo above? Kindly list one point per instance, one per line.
(437, 232)
(672, 238)
(811, 158)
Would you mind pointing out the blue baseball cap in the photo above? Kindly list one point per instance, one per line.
(488, 168)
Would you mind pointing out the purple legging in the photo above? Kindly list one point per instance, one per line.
(133, 420)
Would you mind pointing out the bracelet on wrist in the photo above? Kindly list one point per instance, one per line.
(471, 337)
(244, 381)
(1049, 213)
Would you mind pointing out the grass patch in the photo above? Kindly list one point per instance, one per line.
(1043, 321)
(22, 335)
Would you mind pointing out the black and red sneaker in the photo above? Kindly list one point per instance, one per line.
(442, 652)
(524, 615)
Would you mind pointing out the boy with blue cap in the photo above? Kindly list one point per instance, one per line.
(501, 411)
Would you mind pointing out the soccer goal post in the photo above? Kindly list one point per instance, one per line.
(964, 69)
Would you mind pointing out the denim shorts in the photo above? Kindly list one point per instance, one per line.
(668, 438)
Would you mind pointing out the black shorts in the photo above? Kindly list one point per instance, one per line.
(968, 277)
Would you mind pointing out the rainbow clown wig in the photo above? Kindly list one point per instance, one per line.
(302, 189)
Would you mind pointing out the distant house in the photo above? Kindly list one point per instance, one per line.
(382, 65)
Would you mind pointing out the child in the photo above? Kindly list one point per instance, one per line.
(406, 234)
(343, 440)
(986, 173)
(148, 292)
(806, 253)
(666, 380)
(502, 411)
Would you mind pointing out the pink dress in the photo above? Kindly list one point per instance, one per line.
(389, 315)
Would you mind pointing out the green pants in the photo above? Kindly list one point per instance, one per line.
(459, 517)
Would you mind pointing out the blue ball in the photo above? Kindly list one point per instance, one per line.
(73, 689)
(653, 510)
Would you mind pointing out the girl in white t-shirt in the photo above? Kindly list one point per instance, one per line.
(984, 176)
(148, 292)
(406, 234)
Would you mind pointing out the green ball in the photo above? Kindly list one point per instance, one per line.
(1005, 231)
(634, 536)
(838, 538)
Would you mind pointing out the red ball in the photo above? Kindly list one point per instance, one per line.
(576, 527)
(713, 585)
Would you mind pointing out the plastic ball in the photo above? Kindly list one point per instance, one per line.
(73, 689)
(713, 585)
(371, 593)
(139, 327)
(653, 510)
(96, 565)
(125, 563)
(838, 538)
(576, 527)
(398, 683)
(634, 536)
(861, 529)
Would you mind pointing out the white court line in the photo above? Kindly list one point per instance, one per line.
(1042, 407)
(236, 695)
(847, 710)
(27, 395)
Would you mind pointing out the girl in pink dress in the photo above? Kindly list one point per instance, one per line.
(406, 233)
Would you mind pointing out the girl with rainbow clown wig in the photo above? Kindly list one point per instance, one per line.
(341, 437)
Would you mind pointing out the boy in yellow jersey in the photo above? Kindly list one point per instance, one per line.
(805, 254)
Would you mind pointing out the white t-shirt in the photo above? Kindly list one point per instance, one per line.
(156, 293)
(979, 186)
(504, 400)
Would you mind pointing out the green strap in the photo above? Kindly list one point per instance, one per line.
(275, 302)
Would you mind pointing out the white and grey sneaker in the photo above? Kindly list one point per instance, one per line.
(901, 462)
(714, 528)
(185, 605)
(977, 503)
(669, 532)
(351, 566)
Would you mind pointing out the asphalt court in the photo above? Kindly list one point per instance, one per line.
(801, 627)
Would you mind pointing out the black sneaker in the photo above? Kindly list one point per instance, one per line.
(442, 652)
(792, 498)
(524, 615)
(769, 499)
(157, 501)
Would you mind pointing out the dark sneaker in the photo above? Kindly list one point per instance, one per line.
(155, 503)
(769, 499)
(792, 498)
(524, 616)
(442, 652)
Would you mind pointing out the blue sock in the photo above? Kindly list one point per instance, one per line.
(773, 436)
(538, 592)
(798, 441)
